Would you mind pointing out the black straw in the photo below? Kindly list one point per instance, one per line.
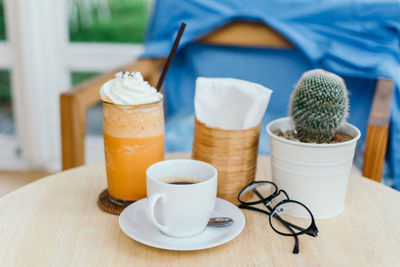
(170, 57)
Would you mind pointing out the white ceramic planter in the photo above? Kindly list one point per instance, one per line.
(314, 174)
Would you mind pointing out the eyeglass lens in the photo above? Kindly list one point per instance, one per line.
(293, 213)
(264, 190)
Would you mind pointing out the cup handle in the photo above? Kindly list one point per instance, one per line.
(150, 206)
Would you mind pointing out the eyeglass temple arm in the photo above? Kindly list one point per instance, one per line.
(286, 224)
(242, 206)
(296, 242)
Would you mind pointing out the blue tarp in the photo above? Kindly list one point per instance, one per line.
(359, 40)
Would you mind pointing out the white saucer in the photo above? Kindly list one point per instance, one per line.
(133, 223)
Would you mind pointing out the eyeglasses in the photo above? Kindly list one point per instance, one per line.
(287, 217)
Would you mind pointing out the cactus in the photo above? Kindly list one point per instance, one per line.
(318, 106)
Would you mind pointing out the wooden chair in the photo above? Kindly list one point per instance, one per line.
(75, 103)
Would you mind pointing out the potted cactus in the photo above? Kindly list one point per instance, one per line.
(312, 150)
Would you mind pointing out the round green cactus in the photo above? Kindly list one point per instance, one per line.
(318, 106)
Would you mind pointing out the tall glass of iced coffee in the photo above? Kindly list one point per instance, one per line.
(133, 129)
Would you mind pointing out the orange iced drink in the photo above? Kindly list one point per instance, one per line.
(133, 136)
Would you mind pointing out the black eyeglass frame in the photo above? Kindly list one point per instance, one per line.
(311, 230)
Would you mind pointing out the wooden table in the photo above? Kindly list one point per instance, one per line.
(56, 222)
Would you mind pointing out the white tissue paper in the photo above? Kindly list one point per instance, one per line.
(230, 104)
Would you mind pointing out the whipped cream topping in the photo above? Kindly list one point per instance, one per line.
(129, 89)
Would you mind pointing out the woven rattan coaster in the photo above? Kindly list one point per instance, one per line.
(106, 205)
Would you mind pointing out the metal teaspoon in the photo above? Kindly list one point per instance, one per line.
(220, 222)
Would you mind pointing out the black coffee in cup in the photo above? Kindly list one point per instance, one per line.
(180, 180)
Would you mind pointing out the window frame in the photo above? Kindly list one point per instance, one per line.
(40, 58)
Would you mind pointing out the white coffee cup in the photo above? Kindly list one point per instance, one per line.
(180, 210)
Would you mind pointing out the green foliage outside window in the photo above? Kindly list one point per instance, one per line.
(2, 22)
(126, 23)
(79, 76)
(5, 87)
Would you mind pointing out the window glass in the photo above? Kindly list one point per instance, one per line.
(121, 21)
(2, 22)
(80, 76)
(6, 113)
(94, 122)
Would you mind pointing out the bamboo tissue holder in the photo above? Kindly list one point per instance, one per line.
(232, 152)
